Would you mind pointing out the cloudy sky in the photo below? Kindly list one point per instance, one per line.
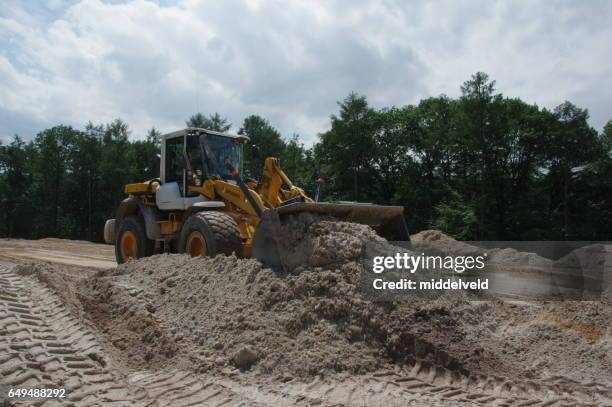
(155, 63)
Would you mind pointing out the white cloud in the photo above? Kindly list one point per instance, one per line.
(154, 65)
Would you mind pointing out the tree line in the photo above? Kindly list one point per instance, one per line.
(479, 167)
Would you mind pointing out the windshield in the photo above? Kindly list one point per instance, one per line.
(218, 149)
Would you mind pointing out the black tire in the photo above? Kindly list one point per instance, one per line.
(218, 230)
(134, 226)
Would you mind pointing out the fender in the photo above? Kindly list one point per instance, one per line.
(204, 206)
(151, 216)
(127, 207)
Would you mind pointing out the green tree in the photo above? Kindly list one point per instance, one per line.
(213, 122)
(572, 145)
(481, 166)
(299, 165)
(116, 131)
(265, 141)
(477, 136)
(606, 137)
(15, 183)
(346, 149)
(54, 149)
(431, 143)
(154, 137)
(455, 217)
(115, 165)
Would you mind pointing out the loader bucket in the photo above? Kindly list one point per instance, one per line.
(387, 221)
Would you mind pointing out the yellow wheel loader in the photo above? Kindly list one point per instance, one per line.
(201, 206)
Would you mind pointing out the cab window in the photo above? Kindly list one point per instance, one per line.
(220, 149)
(174, 157)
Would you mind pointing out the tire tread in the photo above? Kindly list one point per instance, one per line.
(138, 227)
(225, 231)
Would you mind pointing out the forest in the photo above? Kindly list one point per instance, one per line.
(481, 166)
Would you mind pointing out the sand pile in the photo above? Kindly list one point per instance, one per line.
(546, 340)
(311, 240)
(593, 263)
(436, 242)
(232, 317)
(229, 313)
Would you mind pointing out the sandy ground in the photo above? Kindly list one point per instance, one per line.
(60, 251)
(170, 330)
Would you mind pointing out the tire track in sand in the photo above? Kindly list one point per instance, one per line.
(43, 345)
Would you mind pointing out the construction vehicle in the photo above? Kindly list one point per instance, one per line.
(200, 204)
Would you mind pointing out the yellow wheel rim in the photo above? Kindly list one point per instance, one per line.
(196, 245)
(128, 245)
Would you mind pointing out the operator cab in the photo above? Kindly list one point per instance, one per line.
(191, 156)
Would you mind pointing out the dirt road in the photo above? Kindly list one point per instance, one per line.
(60, 251)
(66, 323)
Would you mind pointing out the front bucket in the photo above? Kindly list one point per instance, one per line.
(387, 221)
